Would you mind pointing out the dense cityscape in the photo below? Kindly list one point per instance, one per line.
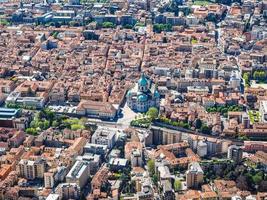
(133, 100)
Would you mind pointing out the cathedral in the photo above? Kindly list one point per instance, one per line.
(143, 96)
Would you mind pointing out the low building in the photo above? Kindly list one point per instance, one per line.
(103, 110)
(116, 164)
(96, 149)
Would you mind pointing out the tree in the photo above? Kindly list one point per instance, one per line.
(108, 25)
(260, 75)
(257, 178)
(155, 179)
(177, 185)
(198, 124)
(4, 22)
(151, 167)
(152, 113)
(205, 129)
(75, 127)
(31, 131)
(46, 124)
(128, 26)
(40, 125)
(162, 27)
(55, 123)
(50, 115)
(246, 78)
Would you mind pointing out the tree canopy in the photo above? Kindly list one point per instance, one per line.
(151, 167)
(177, 185)
(152, 113)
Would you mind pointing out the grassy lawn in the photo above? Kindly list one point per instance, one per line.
(254, 116)
(141, 122)
(201, 3)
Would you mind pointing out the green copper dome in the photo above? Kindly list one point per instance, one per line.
(142, 97)
(129, 93)
(156, 93)
(142, 81)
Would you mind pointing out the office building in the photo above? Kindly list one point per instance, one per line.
(93, 161)
(105, 136)
(79, 174)
(235, 153)
(96, 149)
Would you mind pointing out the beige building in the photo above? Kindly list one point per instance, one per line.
(30, 169)
(49, 180)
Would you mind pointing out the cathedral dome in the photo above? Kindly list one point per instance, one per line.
(129, 93)
(142, 97)
(156, 94)
(142, 81)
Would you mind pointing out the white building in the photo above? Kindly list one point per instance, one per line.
(79, 174)
(202, 148)
(105, 136)
(263, 110)
(53, 197)
(235, 80)
(30, 169)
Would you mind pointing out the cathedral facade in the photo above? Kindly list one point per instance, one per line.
(143, 96)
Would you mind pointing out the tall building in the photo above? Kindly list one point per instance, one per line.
(202, 148)
(79, 173)
(194, 175)
(49, 179)
(235, 153)
(143, 96)
(30, 169)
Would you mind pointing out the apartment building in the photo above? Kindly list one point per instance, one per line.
(194, 175)
(32, 169)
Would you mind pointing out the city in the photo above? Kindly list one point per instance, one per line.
(133, 100)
